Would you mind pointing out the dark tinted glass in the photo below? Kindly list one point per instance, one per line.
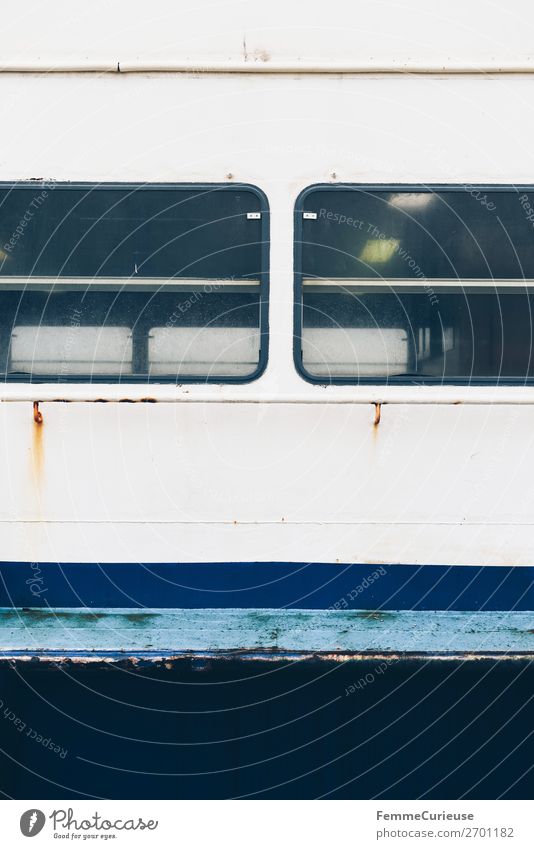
(465, 234)
(130, 282)
(430, 285)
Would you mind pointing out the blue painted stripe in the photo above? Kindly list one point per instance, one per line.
(147, 632)
(312, 586)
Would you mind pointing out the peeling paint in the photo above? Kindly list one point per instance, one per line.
(328, 633)
(37, 613)
(169, 660)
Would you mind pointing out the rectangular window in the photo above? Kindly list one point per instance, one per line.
(141, 283)
(415, 284)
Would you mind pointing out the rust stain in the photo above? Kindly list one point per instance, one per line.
(37, 443)
(36, 614)
(139, 617)
(137, 401)
(148, 400)
(373, 614)
(378, 412)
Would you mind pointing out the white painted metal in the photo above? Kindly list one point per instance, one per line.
(232, 35)
(276, 469)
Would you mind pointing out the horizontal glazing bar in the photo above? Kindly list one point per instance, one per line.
(423, 284)
(58, 284)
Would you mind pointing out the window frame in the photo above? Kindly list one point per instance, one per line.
(299, 209)
(146, 380)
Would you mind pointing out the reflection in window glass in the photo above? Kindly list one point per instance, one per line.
(425, 286)
(132, 283)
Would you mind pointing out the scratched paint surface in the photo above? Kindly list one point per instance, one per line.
(75, 630)
(231, 482)
(225, 482)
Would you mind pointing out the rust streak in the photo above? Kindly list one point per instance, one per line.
(37, 456)
(378, 410)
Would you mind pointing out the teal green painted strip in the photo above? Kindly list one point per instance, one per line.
(170, 630)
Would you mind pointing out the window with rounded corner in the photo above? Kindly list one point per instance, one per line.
(415, 284)
(132, 283)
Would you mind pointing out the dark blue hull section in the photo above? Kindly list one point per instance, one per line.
(269, 729)
(273, 585)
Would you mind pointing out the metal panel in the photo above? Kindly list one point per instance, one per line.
(233, 36)
(262, 727)
(153, 632)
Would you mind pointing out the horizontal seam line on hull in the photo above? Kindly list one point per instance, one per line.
(54, 655)
(393, 401)
(116, 68)
(252, 523)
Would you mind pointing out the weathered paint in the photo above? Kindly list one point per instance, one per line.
(47, 661)
(235, 37)
(155, 483)
(136, 631)
(277, 470)
(37, 450)
(275, 475)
